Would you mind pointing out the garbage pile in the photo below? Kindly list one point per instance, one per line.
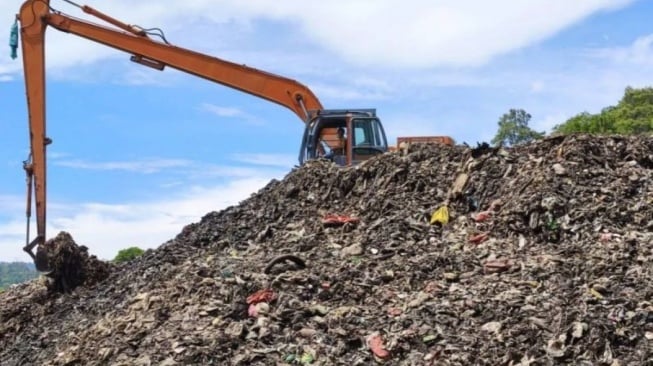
(72, 266)
(540, 254)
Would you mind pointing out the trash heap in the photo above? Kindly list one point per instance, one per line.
(71, 265)
(540, 254)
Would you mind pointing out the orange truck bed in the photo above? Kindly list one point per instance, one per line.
(407, 140)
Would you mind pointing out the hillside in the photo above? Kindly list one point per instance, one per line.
(16, 272)
(547, 258)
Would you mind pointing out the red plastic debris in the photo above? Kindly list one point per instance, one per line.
(432, 287)
(332, 219)
(252, 311)
(481, 216)
(479, 238)
(497, 265)
(265, 295)
(375, 343)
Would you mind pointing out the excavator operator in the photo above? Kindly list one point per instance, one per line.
(340, 151)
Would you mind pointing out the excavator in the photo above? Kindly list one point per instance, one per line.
(323, 133)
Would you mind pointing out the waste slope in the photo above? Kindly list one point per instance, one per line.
(546, 258)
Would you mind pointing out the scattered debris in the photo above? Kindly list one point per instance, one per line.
(299, 263)
(561, 273)
(337, 220)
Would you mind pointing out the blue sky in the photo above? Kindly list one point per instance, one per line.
(138, 153)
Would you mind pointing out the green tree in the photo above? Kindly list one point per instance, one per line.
(513, 129)
(128, 254)
(632, 115)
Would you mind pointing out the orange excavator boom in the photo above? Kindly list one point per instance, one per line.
(365, 134)
(36, 15)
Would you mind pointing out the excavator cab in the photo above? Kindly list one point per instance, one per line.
(364, 136)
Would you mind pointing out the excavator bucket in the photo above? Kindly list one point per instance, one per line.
(43, 258)
(66, 264)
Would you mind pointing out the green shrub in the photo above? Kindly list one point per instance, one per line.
(128, 254)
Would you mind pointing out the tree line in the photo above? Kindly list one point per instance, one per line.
(632, 115)
(16, 272)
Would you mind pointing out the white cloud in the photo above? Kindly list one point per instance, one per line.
(275, 160)
(10, 203)
(594, 80)
(437, 33)
(9, 66)
(537, 86)
(221, 171)
(448, 79)
(146, 76)
(231, 112)
(549, 121)
(12, 240)
(105, 228)
(223, 111)
(58, 155)
(388, 33)
(346, 91)
(189, 169)
(146, 166)
(639, 52)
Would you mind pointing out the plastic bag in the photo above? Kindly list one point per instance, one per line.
(441, 216)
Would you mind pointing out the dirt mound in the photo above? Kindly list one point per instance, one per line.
(72, 264)
(546, 258)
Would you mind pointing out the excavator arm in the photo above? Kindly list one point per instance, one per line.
(36, 15)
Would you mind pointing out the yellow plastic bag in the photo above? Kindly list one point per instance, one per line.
(441, 215)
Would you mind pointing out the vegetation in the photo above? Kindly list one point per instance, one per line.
(16, 272)
(128, 254)
(513, 129)
(632, 115)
